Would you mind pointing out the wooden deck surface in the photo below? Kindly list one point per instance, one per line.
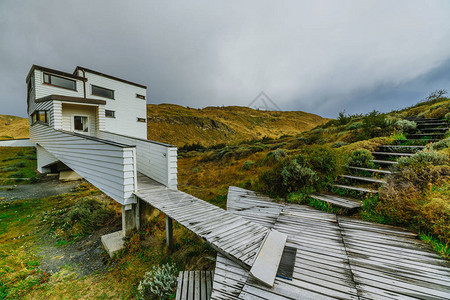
(194, 285)
(337, 257)
(237, 238)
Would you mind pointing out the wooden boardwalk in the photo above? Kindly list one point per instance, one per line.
(235, 237)
(194, 285)
(337, 257)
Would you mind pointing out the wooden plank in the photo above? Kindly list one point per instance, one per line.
(208, 283)
(337, 200)
(363, 178)
(360, 189)
(191, 286)
(184, 294)
(203, 285)
(370, 170)
(179, 285)
(268, 258)
(197, 283)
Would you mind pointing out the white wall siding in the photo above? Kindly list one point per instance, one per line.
(69, 110)
(44, 158)
(126, 106)
(43, 90)
(155, 160)
(110, 167)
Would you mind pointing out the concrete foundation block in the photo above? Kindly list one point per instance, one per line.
(113, 242)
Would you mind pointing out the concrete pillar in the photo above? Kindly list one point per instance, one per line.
(169, 233)
(129, 213)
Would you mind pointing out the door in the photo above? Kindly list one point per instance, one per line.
(81, 124)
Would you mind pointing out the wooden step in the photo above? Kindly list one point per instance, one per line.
(425, 136)
(427, 141)
(384, 162)
(402, 148)
(392, 153)
(363, 178)
(340, 201)
(420, 125)
(370, 170)
(360, 189)
(435, 129)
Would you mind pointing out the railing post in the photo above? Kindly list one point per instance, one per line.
(169, 232)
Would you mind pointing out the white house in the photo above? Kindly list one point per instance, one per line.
(96, 125)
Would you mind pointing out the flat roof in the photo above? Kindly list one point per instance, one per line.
(108, 76)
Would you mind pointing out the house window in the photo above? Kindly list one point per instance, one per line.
(81, 124)
(141, 120)
(102, 92)
(59, 81)
(39, 115)
(140, 96)
(110, 113)
(31, 83)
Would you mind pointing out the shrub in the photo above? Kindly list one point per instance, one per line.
(19, 174)
(192, 147)
(423, 158)
(248, 164)
(8, 169)
(161, 281)
(339, 144)
(447, 117)
(405, 125)
(274, 156)
(295, 176)
(443, 144)
(433, 97)
(19, 165)
(354, 125)
(360, 158)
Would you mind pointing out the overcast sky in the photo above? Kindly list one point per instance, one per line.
(317, 56)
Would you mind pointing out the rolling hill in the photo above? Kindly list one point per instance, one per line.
(180, 125)
(12, 127)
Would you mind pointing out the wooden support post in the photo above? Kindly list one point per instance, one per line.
(169, 232)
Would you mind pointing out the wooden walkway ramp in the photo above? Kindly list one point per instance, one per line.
(237, 238)
(336, 257)
(194, 285)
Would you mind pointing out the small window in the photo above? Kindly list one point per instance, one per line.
(39, 115)
(81, 124)
(59, 81)
(141, 120)
(140, 96)
(110, 113)
(102, 92)
(287, 263)
(31, 83)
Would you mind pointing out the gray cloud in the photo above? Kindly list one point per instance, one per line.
(317, 56)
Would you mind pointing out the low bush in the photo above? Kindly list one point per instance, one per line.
(248, 165)
(405, 125)
(360, 158)
(191, 147)
(296, 176)
(274, 156)
(354, 126)
(423, 159)
(161, 282)
(442, 144)
(339, 144)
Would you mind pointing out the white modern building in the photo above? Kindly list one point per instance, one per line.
(96, 125)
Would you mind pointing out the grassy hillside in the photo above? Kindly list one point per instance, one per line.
(215, 125)
(12, 127)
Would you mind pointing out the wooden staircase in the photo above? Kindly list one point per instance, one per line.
(365, 181)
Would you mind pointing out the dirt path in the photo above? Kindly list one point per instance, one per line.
(36, 190)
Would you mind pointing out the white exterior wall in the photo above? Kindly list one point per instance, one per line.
(44, 158)
(111, 168)
(69, 110)
(126, 106)
(156, 160)
(43, 90)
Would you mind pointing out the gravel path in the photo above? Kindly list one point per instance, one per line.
(36, 190)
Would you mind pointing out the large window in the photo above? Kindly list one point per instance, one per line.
(110, 113)
(102, 92)
(39, 115)
(60, 81)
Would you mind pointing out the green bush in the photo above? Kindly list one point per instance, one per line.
(8, 169)
(274, 156)
(192, 147)
(423, 158)
(339, 144)
(161, 281)
(248, 164)
(19, 174)
(405, 125)
(19, 165)
(295, 176)
(360, 158)
(443, 144)
(354, 125)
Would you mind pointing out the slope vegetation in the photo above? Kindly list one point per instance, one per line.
(214, 125)
(12, 127)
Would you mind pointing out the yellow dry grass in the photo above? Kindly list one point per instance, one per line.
(12, 127)
(180, 125)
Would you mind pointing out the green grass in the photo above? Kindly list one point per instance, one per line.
(442, 249)
(17, 162)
